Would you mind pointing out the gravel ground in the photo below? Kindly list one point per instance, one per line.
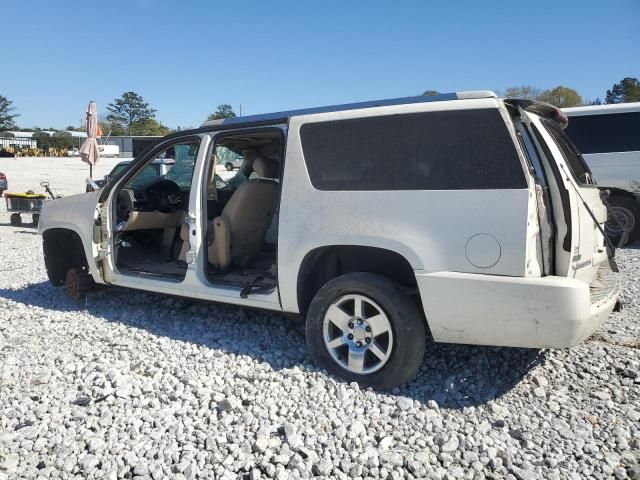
(138, 385)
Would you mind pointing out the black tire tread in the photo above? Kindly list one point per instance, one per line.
(408, 324)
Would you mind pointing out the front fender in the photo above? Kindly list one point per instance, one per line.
(74, 213)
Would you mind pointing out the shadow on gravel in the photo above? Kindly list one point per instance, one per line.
(632, 246)
(455, 376)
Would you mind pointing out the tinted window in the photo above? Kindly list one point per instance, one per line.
(570, 153)
(469, 149)
(615, 132)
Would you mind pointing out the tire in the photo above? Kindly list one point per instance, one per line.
(62, 252)
(627, 210)
(229, 166)
(35, 218)
(15, 219)
(77, 284)
(405, 340)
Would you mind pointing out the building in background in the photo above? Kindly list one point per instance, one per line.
(129, 146)
(27, 139)
(11, 138)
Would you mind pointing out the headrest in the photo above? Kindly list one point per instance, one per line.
(249, 155)
(266, 167)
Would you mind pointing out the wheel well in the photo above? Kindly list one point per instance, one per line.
(322, 264)
(63, 249)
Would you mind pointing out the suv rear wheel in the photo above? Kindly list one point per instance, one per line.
(362, 327)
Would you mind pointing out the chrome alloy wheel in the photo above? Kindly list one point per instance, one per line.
(357, 334)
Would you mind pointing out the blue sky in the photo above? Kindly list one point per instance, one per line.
(186, 57)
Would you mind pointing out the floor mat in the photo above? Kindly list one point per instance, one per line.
(150, 260)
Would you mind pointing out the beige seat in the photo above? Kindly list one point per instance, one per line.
(238, 233)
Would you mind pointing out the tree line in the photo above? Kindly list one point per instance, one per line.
(625, 91)
(130, 114)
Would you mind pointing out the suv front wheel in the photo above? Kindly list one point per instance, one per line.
(362, 327)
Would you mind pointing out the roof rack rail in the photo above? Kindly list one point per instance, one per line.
(285, 115)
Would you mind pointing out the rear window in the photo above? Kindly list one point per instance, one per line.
(447, 150)
(615, 132)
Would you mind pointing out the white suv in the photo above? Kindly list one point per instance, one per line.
(463, 215)
(609, 138)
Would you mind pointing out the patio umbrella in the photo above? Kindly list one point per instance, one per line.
(89, 151)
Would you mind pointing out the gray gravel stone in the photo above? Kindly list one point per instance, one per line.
(404, 403)
(323, 468)
(450, 445)
(9, 462)
(185, 389)
(600, 395)
(391, 458)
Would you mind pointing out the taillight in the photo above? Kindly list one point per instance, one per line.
(3, 176)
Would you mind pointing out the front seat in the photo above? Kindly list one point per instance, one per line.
(238, 233)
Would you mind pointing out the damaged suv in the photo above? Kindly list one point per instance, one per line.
(462, 215)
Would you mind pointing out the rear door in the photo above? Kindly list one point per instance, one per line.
(579, 246)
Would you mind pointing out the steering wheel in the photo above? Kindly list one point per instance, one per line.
(164, 195)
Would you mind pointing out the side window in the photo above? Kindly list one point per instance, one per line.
(179, 158)
(605, 133)
(446, 150)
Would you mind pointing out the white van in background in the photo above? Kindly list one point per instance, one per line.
(109, 150)
(609, 138)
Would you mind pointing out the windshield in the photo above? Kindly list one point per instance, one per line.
(570, 153)
(148, 173)
(184, 155)
(117, 170)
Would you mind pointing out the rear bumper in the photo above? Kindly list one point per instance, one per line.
(514, 311)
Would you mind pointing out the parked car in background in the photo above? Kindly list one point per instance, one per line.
(74, 152)
(463, 215)
(158, 168)
(3, 183)
(608, 136)
(231, 160)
